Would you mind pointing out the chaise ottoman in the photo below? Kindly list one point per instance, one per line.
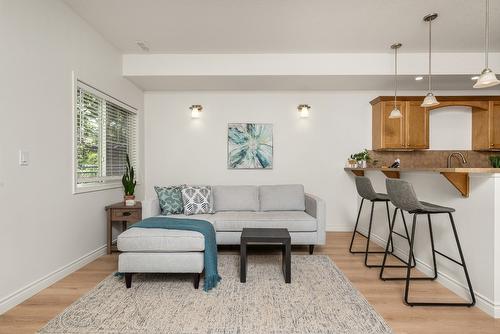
(152, 250)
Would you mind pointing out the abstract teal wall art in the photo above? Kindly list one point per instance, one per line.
(249, 146)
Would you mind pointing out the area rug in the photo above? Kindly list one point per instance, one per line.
(320, 300)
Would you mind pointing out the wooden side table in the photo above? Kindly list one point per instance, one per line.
(119, 212)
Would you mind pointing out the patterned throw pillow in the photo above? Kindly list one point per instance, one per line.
(197, 199)
(170, 200)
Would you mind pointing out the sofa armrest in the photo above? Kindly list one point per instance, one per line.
(316, 207)
(150, 208)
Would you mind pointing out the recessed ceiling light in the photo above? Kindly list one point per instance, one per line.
(475, 77)
(143, 46)
(419, 78)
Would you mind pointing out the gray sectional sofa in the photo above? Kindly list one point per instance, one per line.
(236, 207)
(283, 206)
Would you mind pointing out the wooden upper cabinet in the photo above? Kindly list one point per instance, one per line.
(495, 125)
(486, 127)
(409, 132)
(417, 126)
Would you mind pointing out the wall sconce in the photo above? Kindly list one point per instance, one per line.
(196, 110)
(304, 110)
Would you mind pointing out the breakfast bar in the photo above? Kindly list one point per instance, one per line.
(458, 177)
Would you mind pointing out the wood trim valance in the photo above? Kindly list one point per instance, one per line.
(479, 101)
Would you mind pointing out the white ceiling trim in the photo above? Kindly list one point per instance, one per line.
(302, 64)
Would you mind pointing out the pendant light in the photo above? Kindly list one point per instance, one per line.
(487, 77)
(430, 99)
(395, 113)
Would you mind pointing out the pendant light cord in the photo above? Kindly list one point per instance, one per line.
(395, 75)
(487, 33)
(430, 51)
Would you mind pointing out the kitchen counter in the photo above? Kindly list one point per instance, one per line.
(458, 177)
(430, 169)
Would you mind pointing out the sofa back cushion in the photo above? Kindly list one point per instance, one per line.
(287, 197)
(236, 198)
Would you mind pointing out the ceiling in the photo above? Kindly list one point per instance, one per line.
(289, 26)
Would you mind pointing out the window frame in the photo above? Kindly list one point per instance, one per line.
(98, 186)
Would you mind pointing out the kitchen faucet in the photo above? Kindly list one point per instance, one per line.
(464, 161)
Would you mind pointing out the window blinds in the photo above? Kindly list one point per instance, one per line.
(105, 132)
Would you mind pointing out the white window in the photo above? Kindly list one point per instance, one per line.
(105, 132)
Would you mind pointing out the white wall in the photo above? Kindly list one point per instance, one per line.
(44, 228)
(310, 151)
(450, 128)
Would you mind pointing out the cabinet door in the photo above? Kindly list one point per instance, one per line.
(495, 125)
(417, 126)
(393, 129)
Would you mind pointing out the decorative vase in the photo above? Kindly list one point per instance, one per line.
(362, 164)
(129, 200)
(352, 163)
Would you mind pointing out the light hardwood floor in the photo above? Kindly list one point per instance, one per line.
(386, 297)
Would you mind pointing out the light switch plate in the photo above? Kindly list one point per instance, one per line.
(24, 157)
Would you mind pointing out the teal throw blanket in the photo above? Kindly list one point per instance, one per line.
(211, 274)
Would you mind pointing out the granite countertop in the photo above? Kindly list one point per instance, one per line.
(431, 169)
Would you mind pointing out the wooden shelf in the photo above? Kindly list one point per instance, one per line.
(458, 177)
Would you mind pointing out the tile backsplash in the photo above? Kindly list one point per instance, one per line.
(429, 158)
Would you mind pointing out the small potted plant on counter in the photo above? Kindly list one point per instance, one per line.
(361, 158)
(129, 184)
(495, 161)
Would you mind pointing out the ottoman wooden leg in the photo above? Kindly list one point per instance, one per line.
(128, 280)
(196, 281)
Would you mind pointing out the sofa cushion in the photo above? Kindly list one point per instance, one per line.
(282, 197)
(160, 240)
(294, 221)
(170, 199)
(236, 198)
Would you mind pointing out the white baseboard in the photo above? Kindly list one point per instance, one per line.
(33, 288)
(482, 302)
(340, 228)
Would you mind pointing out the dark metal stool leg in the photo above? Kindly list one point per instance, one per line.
(462, 259)
(369, 235)
(408, 269)
(432, 246)
(391, 227)
(389, 224)
(462, 263)
(356, 227)
(407, 237)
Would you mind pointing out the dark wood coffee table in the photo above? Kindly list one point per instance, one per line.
(266, 236)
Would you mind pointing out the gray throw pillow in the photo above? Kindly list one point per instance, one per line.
(170, 199)
(197, 200)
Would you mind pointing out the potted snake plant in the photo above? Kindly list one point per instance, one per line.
(129, 182)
